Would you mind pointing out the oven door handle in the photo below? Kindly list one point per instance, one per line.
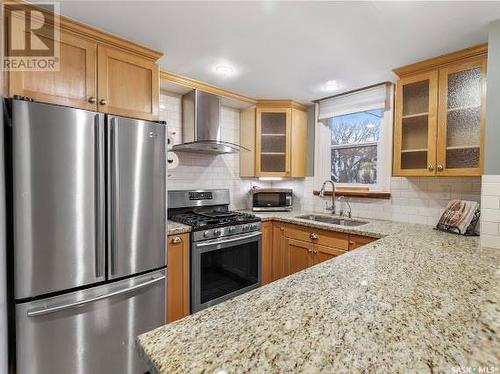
(225, 241)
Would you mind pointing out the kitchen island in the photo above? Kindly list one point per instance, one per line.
(416, 300)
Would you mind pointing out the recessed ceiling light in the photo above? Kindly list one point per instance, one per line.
(331, 86)
(224, 69)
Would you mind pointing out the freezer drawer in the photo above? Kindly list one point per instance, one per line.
(137, 189)
(58, 187)
(91, 331)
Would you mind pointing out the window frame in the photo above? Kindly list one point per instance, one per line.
(384, 149)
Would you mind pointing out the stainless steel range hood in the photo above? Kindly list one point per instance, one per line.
(201, 128)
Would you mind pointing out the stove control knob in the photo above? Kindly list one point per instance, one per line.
(254, 226)
(217, 232)
(245, 227)
(231, 229)
(206, 234)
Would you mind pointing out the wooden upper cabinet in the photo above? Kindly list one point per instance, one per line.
(74, 84)
(416, 124)
(440, 115)
(128, 84)
(462, 111)
(97, 71)
(276, 133)
(273, 142)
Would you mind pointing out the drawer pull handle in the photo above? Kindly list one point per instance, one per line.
(176, 240)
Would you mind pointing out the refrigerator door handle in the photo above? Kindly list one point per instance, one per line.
(114, 193)
(43, 311)
(99, 198)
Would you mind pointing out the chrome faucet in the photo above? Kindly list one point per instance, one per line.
(342, 199)
(322, 194)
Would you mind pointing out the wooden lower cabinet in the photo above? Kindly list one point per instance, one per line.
(278, 257)
(356, 241)
(299, 255)
(289, 248)
(267, 248)
(322, 253)
(177, 277)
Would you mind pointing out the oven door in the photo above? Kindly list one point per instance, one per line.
(223, 268)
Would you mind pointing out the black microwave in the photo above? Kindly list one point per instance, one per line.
(272, 199)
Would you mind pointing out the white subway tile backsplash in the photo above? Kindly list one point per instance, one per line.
(490, 202)
(203, 170)
(490, 212)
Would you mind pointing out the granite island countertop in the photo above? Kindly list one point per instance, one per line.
(416, 300)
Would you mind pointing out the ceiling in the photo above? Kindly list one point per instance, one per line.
(291, 49)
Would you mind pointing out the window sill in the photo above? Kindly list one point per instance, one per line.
(360, 194)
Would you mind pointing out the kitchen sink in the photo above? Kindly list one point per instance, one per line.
(332, 220)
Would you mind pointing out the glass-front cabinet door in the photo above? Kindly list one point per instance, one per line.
(273, 142)
(415, 125)
(462, 92)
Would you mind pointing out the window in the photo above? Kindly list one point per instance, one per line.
(354, 143)
(354, 139)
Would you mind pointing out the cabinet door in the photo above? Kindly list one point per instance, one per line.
(278, 263)
(272, 157)
(74, 84)
(356, 241)
(299, 255)
(267, 252)
(177, 277)
(322, 253)
(462, 97)
(416, 125)
(128, 84)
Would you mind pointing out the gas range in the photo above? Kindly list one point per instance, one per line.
(225, 246)
(217, 222)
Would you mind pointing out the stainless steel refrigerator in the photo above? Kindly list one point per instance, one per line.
(88, 238)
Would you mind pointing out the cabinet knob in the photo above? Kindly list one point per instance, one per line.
(92, 99)
(430, 167)
(176, 240)
(309, 250)
(103, 101)
(315, 251)
(351, 242)
(440, 168)
(313, 236)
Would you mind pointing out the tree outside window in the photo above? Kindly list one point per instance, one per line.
(354, 146)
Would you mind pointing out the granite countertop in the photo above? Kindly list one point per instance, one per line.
(416, 300)
(176, 228)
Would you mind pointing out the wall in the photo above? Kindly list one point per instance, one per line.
(415, 200)
(204, 170)
(490, 218)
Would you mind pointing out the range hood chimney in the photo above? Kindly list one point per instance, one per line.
(201, 128)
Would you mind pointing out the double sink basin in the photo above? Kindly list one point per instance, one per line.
(332, 220)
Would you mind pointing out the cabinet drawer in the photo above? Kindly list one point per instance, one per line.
(323, 237)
